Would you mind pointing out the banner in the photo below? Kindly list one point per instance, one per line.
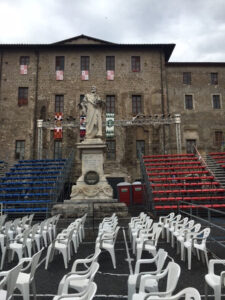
(59, 75)
(23, 69)
(58, 126)
(110, 124)
(110, 75)
(82, 126)
(85, 75)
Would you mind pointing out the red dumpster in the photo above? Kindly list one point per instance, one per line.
(124, 192)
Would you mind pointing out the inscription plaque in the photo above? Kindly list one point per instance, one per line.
(91, 178)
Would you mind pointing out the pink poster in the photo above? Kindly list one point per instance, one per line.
(59, 75)
(110, 75)
(84, 75)
(23, 69)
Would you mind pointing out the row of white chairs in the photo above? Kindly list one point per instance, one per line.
(144, 235)
(188, 236)
(66, 240)
(107, 236)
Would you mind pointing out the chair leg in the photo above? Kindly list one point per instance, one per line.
(65, 258)
(112, 253)
(189, 258)
(206, 291)
(24, 288)
(48, 256)
(139, 253)
(34, 289)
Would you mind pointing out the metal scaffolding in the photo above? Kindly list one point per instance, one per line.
(139, 120)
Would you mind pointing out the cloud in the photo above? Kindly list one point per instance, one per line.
(197, 27)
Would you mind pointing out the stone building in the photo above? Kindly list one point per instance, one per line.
(39, 80)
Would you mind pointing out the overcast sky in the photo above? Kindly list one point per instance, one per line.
(197, 27)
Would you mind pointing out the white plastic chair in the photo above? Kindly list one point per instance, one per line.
(134, 279)
(78, 282)
(183, 237)
(24, 279)
(216, 282)
(63, 246)
(192, 242)
(86, 267)
(140, 229)
(169, 224)
(107, 241)
(87, 294)
(174, 230)
(19, 245)
(140, 219)
(172, 272)
(163, 221)
(150, 241)
(9, 282)
(189, 293)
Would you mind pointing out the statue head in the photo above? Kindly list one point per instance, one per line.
(93, 89)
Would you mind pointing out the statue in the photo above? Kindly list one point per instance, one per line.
(91, 106)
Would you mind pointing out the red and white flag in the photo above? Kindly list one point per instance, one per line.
(84, 75)
(23, 69)
(110, 75)
(58, 126)
(59, 75)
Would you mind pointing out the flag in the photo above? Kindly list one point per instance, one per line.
(110, 75)
(23, 69)
(84, 75)
(82, 126)
(58, 126)
(59, 75)
(110, 124)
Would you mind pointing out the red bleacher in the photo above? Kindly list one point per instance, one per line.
(182, 177)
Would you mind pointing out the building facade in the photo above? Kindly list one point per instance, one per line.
(38, 81)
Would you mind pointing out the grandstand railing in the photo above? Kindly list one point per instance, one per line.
(149, 202)
(206, 215)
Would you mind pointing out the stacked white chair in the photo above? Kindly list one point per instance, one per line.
(87, 294)
(139, 230)
(107, 235)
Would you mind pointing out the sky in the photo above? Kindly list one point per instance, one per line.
(197, 27)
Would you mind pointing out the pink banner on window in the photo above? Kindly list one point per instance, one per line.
(84, 75)
(59, 75)
(110, 75)
(23, 69)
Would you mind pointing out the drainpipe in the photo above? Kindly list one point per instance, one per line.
(35, 105)
(162, 101)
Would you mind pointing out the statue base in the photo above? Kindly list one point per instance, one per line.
(92, 184)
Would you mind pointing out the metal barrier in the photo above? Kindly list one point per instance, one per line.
(206, 217)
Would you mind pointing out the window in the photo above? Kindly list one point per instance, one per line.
(190, 146)
(22, 96)
(59, 63)
(188, 102)
(20, 150)
(59, 103)
(110, 104)
(136, 104)
(214, 78)
(187, 78)
(111, 149)
(24, 60)
(57, 149)
(218, 138)
(216, 102)
(84, 63)
(140, 145)
(110, 63)
(135, 63)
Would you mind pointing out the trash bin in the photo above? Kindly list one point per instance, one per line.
(124, 192)
(137, 192)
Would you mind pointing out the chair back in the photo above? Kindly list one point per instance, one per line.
(35, 259)
(25, 236)
(162, 255)
(11, 279)
(172, 277)
(204, 234)
(94, 270)
(189, 293)
(157, 229)
(2, 220)
(115, 234)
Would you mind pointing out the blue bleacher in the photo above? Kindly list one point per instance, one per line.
(31, 185)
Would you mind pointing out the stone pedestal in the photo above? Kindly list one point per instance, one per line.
(92, 184)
